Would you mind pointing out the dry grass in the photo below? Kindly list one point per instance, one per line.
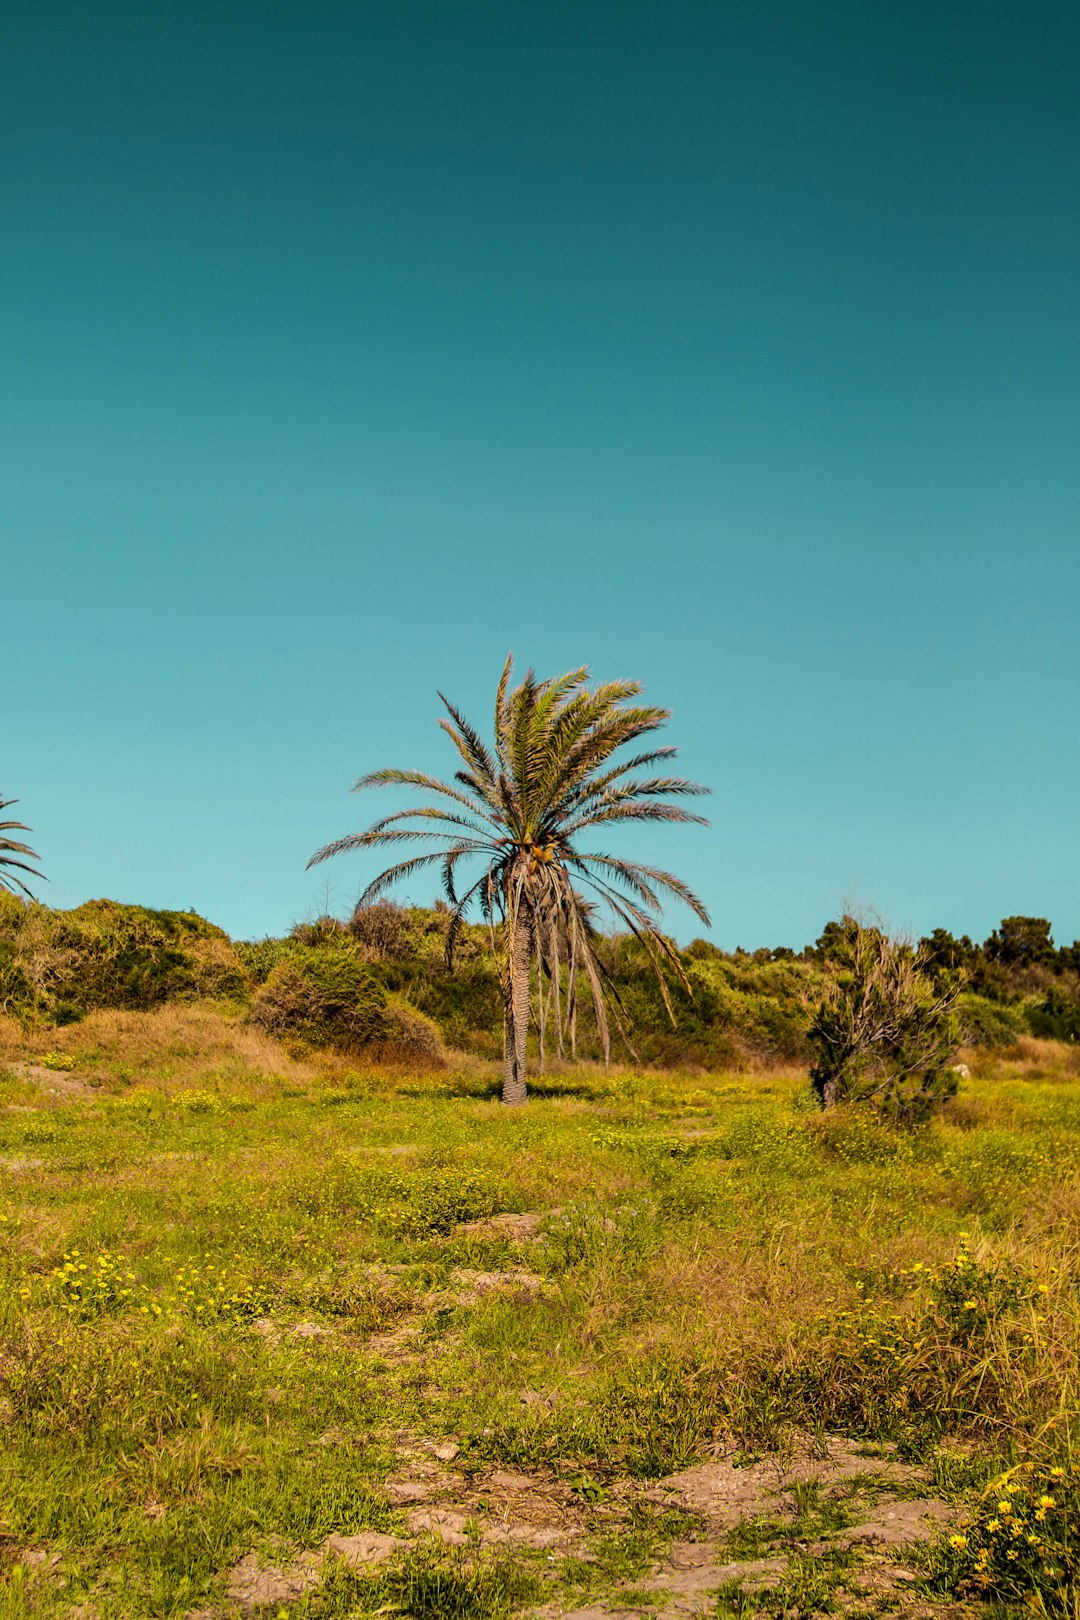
(169, 1049)
(1026, 1059)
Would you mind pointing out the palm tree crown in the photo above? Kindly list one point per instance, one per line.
(9, 848)
(516, 813)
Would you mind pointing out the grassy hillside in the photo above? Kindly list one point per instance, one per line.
(336, 1339)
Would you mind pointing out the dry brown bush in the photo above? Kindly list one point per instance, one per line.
(383, 929)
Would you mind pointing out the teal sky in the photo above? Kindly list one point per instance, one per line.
(733, 346)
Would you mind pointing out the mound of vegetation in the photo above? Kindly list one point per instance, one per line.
(56, 966)
(327, 996)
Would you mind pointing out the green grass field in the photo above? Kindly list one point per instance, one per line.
(253, 1303)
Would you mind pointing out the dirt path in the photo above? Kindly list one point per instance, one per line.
(827, 1526)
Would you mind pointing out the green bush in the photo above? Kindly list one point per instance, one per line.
(989, 1023)
(465, 1004)
(410, 1030)
(1056, 1017)
(328, 995)
(260, 957)
(324, 996)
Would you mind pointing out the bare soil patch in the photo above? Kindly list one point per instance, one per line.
(59, 1084)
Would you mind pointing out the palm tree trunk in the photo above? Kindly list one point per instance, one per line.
(520, 944)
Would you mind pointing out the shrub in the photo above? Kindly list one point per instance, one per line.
(383, 929)
(988, 1023)
(464, 1004)
(322, 995)
(324, 930)
(884, 1031)
(259, 957)
(1056, 1017)
(411, 1031)
(327, 995)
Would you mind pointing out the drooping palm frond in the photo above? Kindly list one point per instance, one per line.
(9, 849)
(519, 807)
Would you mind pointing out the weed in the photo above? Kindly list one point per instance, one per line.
(427, 1584)
(971, 1295)
(61, 1062)
(1023, 1543)
(87, 1288)
(213, 1292)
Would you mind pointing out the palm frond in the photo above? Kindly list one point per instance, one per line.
(607, 731)
(469, 743)
(655, 876)
(418, 779)
(12, 847)
(629, 876)
(599, 784)
(458, 916)
(391, 835)
(633, 812)
(648, 787)
(658, 948)
(427, 812)
(395, 874)
(500, 713)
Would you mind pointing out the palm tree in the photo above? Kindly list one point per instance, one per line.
(519, 811)
(9, 848)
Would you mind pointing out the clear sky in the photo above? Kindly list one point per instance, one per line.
(729, 344)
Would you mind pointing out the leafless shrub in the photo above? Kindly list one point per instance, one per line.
(383, 928)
